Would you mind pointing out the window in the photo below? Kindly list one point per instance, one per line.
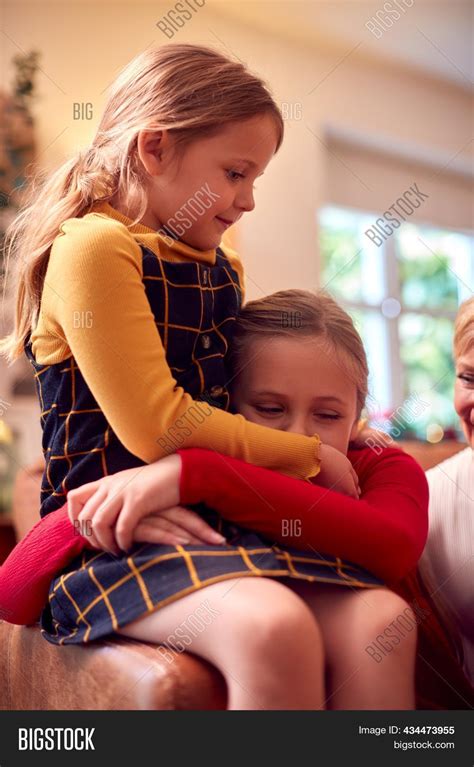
(403, 297)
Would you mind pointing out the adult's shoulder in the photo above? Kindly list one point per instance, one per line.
(452, 480)
(451, 468)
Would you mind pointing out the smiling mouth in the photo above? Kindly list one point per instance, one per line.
(225, 222)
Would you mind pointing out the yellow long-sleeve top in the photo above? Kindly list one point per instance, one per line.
(95, 310)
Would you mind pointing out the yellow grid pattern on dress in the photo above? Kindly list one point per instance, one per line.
(137, 573)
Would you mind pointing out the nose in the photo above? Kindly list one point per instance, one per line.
(300, 425)
(245, 200)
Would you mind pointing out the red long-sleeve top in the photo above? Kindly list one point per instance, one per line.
(384, 531)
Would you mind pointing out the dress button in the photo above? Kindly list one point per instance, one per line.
(206, 341)
(216, 391)
(205, 276)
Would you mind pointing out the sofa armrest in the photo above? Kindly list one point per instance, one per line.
(113, 674)
(26, 498)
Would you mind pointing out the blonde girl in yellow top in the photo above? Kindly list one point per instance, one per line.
(125, 302)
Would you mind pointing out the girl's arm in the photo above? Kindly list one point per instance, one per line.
(53, 542)
(26, 574)
(385, 531)
(95, 306)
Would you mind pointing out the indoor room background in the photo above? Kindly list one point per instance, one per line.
(378, 115)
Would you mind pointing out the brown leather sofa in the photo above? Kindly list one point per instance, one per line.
(116, 673)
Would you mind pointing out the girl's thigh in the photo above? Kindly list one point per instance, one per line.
(249, 614)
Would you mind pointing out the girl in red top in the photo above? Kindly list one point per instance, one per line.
(298, 365)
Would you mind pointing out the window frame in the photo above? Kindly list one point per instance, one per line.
(391, 287)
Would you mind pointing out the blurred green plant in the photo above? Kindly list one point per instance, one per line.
(17, 139)
(26, 66)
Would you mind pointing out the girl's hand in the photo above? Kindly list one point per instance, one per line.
(337, 473)
(176, 525)
(108, 510)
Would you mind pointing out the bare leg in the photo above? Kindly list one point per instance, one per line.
(262, 637)
(359, 674)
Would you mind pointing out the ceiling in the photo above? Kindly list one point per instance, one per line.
(433, 36)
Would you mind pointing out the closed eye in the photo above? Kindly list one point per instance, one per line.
(279, 410)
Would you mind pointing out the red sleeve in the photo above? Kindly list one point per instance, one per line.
(26, 574)
(385, 531)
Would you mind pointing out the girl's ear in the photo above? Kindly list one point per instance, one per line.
(152, 147)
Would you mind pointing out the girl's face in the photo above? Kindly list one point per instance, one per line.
(206, 190)
(297, 385)
(464, 393)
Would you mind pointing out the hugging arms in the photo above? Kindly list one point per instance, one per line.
(384, 531)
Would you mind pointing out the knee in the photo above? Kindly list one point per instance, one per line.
(392, 624)
(277, 622)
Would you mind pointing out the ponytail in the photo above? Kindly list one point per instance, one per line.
(68, 193)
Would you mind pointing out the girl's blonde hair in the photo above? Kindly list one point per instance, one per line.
(464, 328)
(301, 314)
(190, 90)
